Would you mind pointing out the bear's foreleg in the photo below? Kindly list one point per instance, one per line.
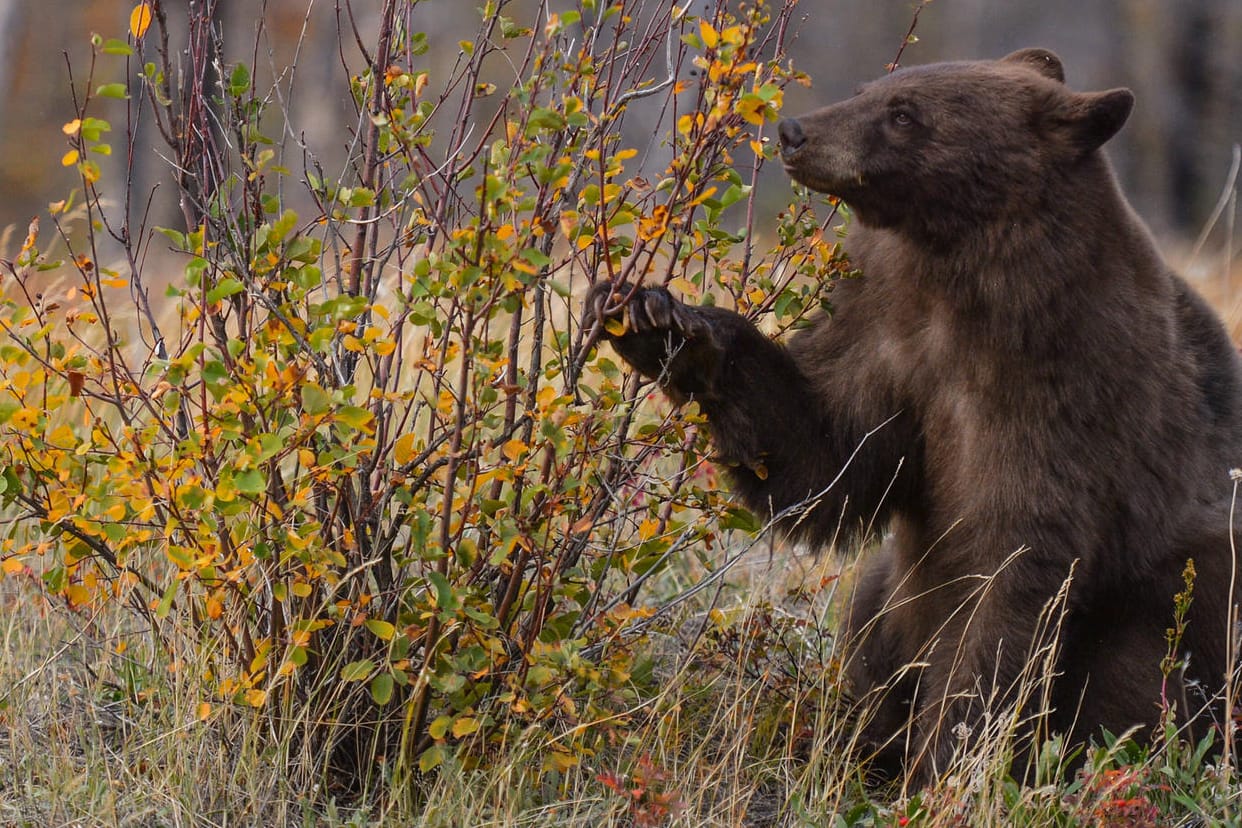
(787, 455)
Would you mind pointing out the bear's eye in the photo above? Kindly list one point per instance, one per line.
(902, 118)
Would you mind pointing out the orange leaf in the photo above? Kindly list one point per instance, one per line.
(76, 378)
(139, 20)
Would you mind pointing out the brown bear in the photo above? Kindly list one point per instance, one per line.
(1040, 415)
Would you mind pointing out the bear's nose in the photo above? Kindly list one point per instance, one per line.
(792, 136)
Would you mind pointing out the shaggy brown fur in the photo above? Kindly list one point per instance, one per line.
(1017, 371)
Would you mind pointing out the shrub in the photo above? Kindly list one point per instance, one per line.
(360, 464)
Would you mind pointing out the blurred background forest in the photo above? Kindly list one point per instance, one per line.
(1183, 59)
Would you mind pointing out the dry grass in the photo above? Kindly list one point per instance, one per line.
(737, 726)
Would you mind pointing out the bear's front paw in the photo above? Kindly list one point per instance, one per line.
(662, 338)
(623, 313)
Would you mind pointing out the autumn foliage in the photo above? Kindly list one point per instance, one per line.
(335, 436)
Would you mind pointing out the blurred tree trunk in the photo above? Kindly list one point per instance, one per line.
(1184, 59)
(9, 23)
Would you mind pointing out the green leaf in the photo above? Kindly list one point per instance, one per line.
(355, 417)
(381, 629)
(250, 482)
(431, 758)
(225, 287)
(536, 257)
(315, 400)
(439, 728)
(112, 46)
(282, 227)
(357, 670)
(93, 128)
(381, 689)
(361, 197)
(214, 373)
(165, 605)
(546, 119)
(303, 249)
(743, 519)
(239, 81)
(112, 90)
(54, 579)
(446, 599)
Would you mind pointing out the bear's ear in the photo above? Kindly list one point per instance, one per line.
(1088, 119)
(1042, 61)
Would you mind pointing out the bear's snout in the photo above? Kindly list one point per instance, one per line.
(791, 135)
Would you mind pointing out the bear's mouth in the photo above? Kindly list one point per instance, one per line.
(840, 186)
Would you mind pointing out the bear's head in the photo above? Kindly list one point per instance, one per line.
(936, 149)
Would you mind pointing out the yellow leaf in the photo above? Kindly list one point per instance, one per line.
(545, 397)
(465, 726)
(513, 449)
(72, 127)
(403, 449)
(560, 761)
(69, 158)
(140, 20)
(439, 727)
(710, 38)
(684, 285)
(77, 594)
(703, 196)
(256, 698)
(12, 566)
(204, 710)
